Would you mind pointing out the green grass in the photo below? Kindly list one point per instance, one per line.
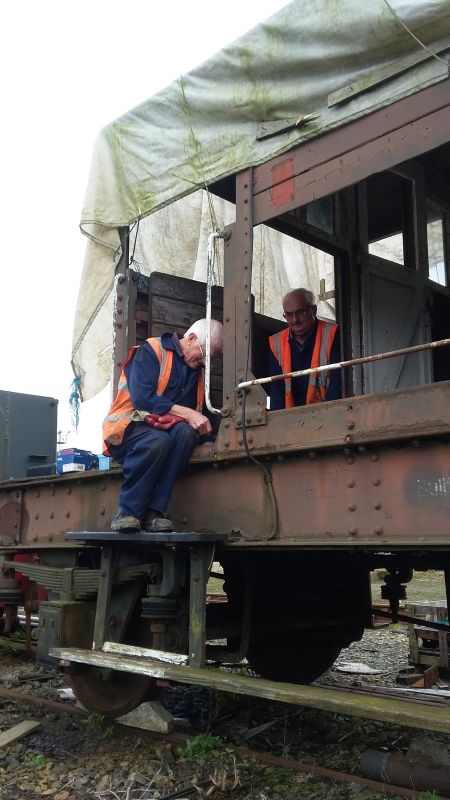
(425, 587)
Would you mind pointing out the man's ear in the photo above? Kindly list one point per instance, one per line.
(314, 308)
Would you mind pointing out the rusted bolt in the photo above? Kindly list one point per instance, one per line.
(352, 507)
(103, 488)
(50, 537)
(34, 539)
(67, 514)
(69, 491)
(349, 438)
(250, 439)
(36, 516)
(351, 484)
(353, 531)
(226, 444)
(374, 457)
(377, 505)
(102, 512)
(376, 481)
(350, 425)
(378, 529)
(240, 441)
(226, 424)
(52, 515)
(38, 494)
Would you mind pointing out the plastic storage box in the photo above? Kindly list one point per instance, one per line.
(74, 460)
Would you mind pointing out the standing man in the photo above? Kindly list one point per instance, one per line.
(306, 342)
(161, 378)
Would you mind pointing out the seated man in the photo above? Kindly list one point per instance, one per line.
(162, 376)
(306, 342)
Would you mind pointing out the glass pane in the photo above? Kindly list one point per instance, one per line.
(390, 248)
(319, 214)
(435, 240)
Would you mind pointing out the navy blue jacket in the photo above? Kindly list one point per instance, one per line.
(142, 375)
(301, 359)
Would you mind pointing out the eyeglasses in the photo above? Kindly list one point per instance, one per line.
(201, 351)
(299, 312)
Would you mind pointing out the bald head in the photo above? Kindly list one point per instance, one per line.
(300, 311)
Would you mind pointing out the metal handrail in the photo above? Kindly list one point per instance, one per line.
(209, 276)
(343, 364)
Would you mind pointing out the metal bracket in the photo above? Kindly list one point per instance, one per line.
(254, 415)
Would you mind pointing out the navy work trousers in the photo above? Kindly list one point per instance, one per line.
(152, 460)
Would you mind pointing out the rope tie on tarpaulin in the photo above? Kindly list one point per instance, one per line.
(413, 35)
(75, 401)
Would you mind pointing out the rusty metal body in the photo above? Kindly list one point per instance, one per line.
(358, 480)
(354, 483)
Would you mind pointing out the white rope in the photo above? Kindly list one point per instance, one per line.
(416, 38)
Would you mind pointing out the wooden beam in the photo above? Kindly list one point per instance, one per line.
(18, 731)
(399, 712)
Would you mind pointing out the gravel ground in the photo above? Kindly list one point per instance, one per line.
(76, 758)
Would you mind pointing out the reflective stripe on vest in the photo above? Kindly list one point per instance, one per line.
(317, 384)
(120, 413)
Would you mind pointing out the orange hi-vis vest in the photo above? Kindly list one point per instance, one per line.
(121, 412)
(318, 383)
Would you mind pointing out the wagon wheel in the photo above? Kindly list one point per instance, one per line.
(294, 657)
(280, 654)
(112, 693)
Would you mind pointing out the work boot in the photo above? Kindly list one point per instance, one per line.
(125, 523)
(156, 522)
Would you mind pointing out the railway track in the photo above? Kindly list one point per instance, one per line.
(180, 739)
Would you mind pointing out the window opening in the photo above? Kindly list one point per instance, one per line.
(437, 271)
(390, 218)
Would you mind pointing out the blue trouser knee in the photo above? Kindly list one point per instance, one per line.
(152, 460)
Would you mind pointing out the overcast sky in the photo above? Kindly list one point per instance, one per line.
(67, 70)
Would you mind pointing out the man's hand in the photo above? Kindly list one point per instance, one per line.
(198, 421)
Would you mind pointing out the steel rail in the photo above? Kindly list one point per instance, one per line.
(311, 768)
(354, 362)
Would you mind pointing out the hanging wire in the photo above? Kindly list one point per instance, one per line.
(132, 262)
(75, 401)
(416, 38)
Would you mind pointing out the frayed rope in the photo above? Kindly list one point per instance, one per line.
(75, 402)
